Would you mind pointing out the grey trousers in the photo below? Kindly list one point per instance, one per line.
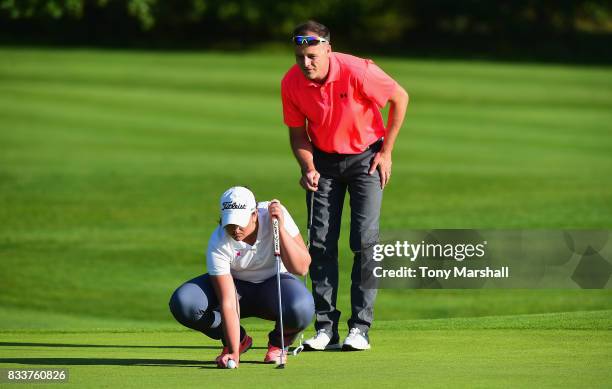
(339, 173)
(194, 304)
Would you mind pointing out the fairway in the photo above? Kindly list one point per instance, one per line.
(112, 163)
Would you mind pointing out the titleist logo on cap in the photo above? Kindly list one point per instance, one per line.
(233, 205)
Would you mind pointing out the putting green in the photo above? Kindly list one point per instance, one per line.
(517, 351)
(112, 162)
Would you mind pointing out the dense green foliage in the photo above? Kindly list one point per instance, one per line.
(567, 30)
(387, 16)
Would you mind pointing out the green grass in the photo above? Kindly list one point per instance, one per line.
(111, 164)
(550, 350)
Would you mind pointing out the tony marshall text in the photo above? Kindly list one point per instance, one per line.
(455, 272)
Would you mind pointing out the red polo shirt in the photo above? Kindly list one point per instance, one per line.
(343, 113)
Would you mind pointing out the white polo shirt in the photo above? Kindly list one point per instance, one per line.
(245, 262)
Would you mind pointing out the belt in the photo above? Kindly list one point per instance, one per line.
(374, 146)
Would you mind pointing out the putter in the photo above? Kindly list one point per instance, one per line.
(281, 365)
(300, 348)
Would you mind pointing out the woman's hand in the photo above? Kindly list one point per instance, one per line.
(223, 359)
(294, 253)
(276, 211)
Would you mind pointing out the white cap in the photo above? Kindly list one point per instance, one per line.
(237, 205)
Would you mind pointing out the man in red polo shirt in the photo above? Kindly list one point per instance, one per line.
(331, 104)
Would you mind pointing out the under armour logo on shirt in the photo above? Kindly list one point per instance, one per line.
(343, 95)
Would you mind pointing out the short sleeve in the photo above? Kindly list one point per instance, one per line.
(292, 116)
(378, 86)
(217, 259)
(290, 225)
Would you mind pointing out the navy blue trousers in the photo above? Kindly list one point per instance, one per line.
(194, 305)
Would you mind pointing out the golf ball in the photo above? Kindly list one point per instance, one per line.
(231, 364)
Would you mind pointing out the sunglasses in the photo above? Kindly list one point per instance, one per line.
(301, 40)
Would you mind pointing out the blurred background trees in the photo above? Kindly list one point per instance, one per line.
(561, 29)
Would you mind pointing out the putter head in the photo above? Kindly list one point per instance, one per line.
(280, 366)
(297, 350)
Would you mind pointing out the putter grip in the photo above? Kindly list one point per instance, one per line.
(276, 236)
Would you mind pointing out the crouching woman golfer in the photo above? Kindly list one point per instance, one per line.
(241, 278)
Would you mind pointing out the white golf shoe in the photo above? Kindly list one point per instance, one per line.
(321, 341)
(356, 341)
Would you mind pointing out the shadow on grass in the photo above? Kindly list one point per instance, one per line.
(118, 362)
(28, 344)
